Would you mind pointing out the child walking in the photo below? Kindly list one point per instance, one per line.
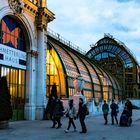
(71, 111)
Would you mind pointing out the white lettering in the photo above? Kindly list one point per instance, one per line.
(10, 59)
(12, 56)
(20, 54)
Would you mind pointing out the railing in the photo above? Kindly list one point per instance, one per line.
(65, 41)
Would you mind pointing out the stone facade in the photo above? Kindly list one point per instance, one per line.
(34, 16)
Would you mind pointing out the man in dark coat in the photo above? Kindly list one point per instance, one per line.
(51, 109)
(105, 110)
(114, 107)
(82, 114)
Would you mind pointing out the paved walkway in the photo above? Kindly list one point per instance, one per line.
(41, 130)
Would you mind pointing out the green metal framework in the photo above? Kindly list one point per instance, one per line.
(115, 57)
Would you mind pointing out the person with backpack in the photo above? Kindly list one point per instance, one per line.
(82, 112)
(71, 113)
(105, 109)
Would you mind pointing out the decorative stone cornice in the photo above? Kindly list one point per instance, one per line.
(42, 14)
(43, 17)
(30, 7)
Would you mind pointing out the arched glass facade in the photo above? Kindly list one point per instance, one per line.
(116, 58)
(55, 73)
(98, 83)
(12, 47)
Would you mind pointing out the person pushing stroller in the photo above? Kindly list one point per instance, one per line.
(125, 118)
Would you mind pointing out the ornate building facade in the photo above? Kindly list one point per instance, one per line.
(23, 24)
(33, 59)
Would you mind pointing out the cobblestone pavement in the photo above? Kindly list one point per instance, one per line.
(41, 130)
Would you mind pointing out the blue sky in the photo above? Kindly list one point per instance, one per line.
(84, 22)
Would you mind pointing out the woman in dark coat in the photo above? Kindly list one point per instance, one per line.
(82, 115)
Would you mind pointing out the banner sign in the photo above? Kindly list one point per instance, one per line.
(12, 57)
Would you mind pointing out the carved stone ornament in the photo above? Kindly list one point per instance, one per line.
(16, 6)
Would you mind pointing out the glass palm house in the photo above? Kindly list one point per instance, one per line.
(64, 64)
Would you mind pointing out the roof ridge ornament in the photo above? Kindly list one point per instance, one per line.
(16, 6)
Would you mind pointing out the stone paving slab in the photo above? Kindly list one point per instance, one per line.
(41, 130)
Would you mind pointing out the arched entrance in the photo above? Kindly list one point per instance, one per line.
(13, 62)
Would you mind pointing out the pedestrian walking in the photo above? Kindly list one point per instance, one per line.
(59, 112)
(105, 109)
(52, 108)
(71, 111)
(82, 111)
(114, 111)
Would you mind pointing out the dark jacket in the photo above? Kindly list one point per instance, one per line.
(128, 104)
(126, 113)
(52, 106)
(59, 108)
(114, 107)
(105, 108)
(82, 110)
